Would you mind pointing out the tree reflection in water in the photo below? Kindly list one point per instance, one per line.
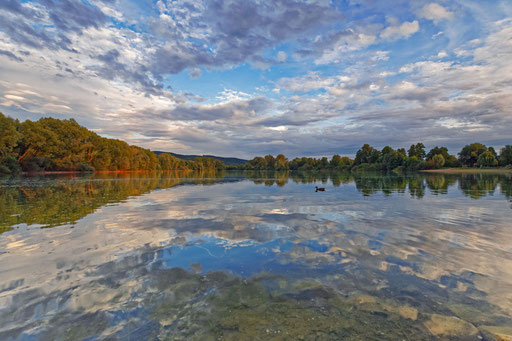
(55, 200)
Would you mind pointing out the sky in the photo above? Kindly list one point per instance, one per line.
(249, 77)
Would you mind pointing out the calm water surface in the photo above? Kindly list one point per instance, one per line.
(256, 257)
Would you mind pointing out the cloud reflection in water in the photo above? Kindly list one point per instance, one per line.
(407, 242)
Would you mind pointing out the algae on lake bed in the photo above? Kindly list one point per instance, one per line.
(217, 306)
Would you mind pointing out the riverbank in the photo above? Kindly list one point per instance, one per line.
(468, 170)
(108, 172)
(501, 170)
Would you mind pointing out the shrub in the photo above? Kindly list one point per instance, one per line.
(4, 170)
(85, 167)
(10, 165)
(37, 164)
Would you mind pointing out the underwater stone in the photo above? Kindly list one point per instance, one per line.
(450, 326)
(498, 333)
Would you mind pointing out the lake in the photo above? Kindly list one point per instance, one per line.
(256, 256)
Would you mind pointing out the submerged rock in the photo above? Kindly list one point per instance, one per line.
(495, 333)
(451, 327)
(408, 312)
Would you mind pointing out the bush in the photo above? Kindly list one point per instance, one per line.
(9, 165)
(4, 170)
(399, 170)
(37, 164)
(85, 167)
(363, 167)
(413, 164)
(452, 161)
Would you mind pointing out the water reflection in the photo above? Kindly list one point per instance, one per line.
(256, 256)
(53, 200)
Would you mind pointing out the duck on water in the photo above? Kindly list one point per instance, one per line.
(321, 189)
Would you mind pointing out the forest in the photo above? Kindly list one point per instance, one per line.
(388, 159)
(51, 144)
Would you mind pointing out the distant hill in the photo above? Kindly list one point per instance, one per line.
(230, 161)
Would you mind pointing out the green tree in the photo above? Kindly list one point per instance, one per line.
(168, 162)
(417, 151)
(469, 155)
(346, 161)
(391, 159)
(281, 163)
(335, 161)
(338, 162)
(437, 150)
(367, 154)
(451, 161)
(100, 157)
(9, 136)
(438, 160)
(64, 143)
(505, 158)
(204, 164)
(323, 163)
(269, 162)
(387, 150)
(491, 149)
(9, 165)
(412, 163)
(258, 163)
(9, 139)
(487, 159)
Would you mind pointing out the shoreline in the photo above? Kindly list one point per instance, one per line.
(467, 170)
(441, 171)
(101, 172)
(79, 172)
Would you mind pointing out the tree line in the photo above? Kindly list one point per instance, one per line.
(51, 144)
(370, 158)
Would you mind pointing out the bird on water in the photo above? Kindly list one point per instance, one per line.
(321, 189)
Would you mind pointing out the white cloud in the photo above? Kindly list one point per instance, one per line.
(195, 73)
(405, 30)
(281, 56)
(15, 98)
(279, 128)
(387, 73)
(435, 12)
(442, 54)
(311, 81)
(336, 48)
(454, 123)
